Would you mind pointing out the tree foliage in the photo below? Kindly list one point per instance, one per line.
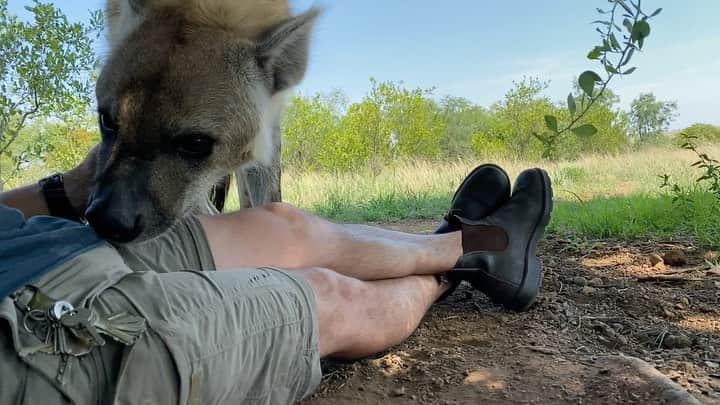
(46, 67)
(607, 118)
(308, 124)
(650, 117)
(463, 119)
(391, 122)
(614, 53)
(700, 133)
(66, 144)
(515, 119)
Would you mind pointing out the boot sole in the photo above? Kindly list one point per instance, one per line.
(532, 277)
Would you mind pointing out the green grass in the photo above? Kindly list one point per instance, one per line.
(641, 216)
(595, 197)
(384, 207)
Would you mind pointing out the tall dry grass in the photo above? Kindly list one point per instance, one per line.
(600, 196)
(586, 178)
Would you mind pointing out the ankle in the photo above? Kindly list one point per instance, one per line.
(443, 251)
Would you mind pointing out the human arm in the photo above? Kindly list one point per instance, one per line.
(30, 199)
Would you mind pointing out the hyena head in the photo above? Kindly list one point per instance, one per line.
(190, 92)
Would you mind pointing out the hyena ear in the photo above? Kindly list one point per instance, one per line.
(283, 51)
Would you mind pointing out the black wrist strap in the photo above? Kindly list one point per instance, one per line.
(53, 189)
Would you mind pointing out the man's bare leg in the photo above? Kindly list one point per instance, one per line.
(280, 235)
(359, 318)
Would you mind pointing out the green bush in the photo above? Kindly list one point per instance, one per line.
(701, 133)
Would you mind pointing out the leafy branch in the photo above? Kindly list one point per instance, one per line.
(46, 70)
(614, 55)
(710, 171)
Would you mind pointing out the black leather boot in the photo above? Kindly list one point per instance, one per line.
(499, 250)
(485, 189)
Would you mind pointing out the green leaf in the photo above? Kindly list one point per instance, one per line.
(610, 68)
(551, 123)
(587, 81)
(595, 53)
(628, 57)
(614, 42)
(628, 25)
(572, 106)
(640, 31)
(585, 130)
(606, 45)
(656, 12)
(629, 71)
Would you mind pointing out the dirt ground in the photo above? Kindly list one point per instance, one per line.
(601, 302)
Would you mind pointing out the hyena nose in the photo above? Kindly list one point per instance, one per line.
(112, 219)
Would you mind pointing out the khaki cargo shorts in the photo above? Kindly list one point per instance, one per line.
(213, 337)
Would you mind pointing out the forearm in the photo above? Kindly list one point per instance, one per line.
(28, 199)
(31, 201)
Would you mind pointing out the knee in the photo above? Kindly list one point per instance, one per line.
(281, 209)
(296, 219)
(336, 295)
(334, 288)
(304, 229)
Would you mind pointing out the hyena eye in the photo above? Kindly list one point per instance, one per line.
(107, 125)
(194, 146)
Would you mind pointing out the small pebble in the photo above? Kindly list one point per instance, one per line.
(596, 282)
(655, 259)
(588, 290)
(675, 257)
(685, 301)
(398, 392)
(581, 281)
(678, 341)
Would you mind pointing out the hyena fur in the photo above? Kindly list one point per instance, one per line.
(192, 90)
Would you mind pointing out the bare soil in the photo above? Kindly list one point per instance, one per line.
(601, 302)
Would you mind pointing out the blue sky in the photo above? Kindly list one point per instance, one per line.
(475, 49)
